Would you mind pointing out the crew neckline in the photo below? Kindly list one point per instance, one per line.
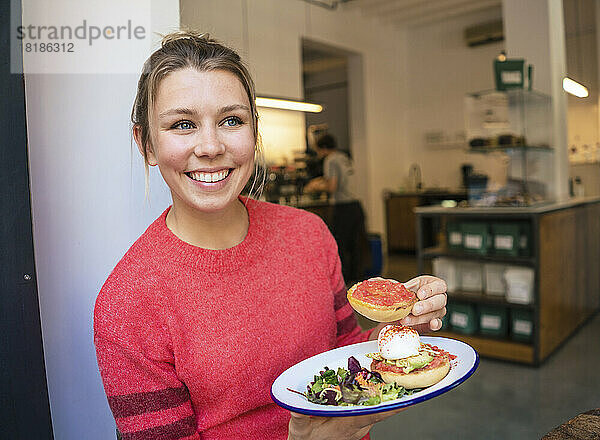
(179, 250)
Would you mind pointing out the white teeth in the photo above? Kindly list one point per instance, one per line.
(209, 177)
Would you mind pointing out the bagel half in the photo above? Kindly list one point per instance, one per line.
(420, 378)
(381, 300)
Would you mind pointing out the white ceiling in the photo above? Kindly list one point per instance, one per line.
(408, 13)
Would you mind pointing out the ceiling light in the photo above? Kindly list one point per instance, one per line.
(574, 88)
(286, 104)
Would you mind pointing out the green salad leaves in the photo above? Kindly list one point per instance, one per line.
(353, 386)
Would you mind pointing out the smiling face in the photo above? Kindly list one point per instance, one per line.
(202, 139)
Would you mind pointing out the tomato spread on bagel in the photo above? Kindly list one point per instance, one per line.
(381, 300)
(382, 292)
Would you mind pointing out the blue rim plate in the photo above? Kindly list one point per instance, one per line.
(301, 374)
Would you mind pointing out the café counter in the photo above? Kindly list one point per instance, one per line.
(400, 217)
(520, 280)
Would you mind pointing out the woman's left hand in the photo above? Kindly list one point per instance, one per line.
(427, 313)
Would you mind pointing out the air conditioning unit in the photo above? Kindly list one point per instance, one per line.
(484, 33)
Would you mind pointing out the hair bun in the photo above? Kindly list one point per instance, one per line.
(186, 35)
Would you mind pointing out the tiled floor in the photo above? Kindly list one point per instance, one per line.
(504, 400)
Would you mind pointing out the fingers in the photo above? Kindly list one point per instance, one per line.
(426, 322)
(412, 284)
(426, 286)
(384, 415)
(431, 304)
(350, 428)
(370, 419)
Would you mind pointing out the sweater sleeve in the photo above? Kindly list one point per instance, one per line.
(146, 397)
(348, 330)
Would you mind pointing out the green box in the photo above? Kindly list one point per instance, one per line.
(454, 236)
(509, 74)
(521, 325)
(476, 237)
(506, 238)
(463, 318)
(525, 239)
(493, 321)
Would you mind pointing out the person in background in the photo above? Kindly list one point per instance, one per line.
(337, 169)
(221, 293)
(314, 161)
(347, 220)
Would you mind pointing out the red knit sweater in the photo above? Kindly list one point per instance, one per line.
(189, 340)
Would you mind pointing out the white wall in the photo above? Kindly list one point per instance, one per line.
(87, 189)
(582, 43)
(545, 49)
(442, 69)
(272, 47)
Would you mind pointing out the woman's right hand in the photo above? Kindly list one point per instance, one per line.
(303, 427)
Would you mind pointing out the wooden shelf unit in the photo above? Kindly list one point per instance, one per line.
(496, 348)
(564, 254)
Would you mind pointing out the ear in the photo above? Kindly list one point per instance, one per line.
(137, 135)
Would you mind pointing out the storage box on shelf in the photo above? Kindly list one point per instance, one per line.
(476, 237)
(463, 318)
(494, 279)
(510, 238)
(471, 276)
(493, 321)
(454, 236)
(447, 269)
(519, 284)
(527, 297)
(521, 325)
(505, 238)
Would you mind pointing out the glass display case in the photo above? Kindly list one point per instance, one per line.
(516, 122)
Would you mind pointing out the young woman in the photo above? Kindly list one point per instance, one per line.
(221, 293)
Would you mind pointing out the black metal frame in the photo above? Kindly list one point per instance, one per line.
(24, 403)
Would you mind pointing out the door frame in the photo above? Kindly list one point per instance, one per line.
(24, 403)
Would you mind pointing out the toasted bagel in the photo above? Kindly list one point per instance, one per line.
(381, 300)
(420, 378)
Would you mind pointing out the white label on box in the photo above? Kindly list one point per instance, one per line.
(491, 322)
(459, 319)
(504, 242)
(522, 327)
(473, 241)
(455, 238)
(512, 77)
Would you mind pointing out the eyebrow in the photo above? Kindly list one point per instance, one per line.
(188, 111)
(232, 107)
(177, 111)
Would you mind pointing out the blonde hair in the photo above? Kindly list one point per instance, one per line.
(185, 49)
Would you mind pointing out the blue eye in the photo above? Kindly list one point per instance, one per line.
(183, 125)
(233, 121)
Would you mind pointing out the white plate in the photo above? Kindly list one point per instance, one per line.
(300, 375)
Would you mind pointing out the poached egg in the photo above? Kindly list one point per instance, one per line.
(397, 342)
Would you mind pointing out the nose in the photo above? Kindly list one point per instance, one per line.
(208, 143)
